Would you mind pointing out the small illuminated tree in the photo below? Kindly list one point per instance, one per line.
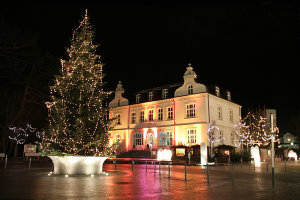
(242, 131)
(213, 134)
(78, 120)
(252, 130)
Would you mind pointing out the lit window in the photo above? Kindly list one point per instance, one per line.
(150, 115)
(217, 91)
(142, 116)
(138, 98)
(219, 112)
(191, 136)
(137, 139)
(160, 114)
(190, 89)
(118, 118)
(164, 93)
(133, 118)
(230, 115)
(165, 138)
(221, 136)
(190, 110)
(150, 96)
(170, 113)
(118, 138)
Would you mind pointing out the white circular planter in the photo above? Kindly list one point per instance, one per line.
(71, 165)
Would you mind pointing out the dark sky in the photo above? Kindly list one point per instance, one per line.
(249, 49)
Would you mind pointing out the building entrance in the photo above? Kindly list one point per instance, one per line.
(150, 142)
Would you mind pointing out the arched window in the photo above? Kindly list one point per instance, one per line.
(190, 89)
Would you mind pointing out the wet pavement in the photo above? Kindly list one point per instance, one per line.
(20, 182)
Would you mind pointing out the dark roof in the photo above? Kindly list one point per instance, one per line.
(157, 93)
(160, 88)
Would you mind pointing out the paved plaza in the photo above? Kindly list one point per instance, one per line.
(20, 182)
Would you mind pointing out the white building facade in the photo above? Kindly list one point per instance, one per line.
(173, 119)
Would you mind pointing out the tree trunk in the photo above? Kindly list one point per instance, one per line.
(4, 142)
(22, 104)
(16, 153)
(11, 146)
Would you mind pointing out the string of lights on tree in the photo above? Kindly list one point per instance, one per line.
(20, 134)
(78, 121)
(253, 130)
(213, 133)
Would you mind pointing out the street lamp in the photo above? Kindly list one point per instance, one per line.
(272, 147)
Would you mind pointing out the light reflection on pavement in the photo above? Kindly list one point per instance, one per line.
(124, 183)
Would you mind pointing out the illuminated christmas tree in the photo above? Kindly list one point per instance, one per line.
(78, 121)
(252, 130)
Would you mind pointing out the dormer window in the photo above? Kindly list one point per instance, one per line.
(228, 96)
(190, 89)
(138, 98)
(150, 96)
(217, 91)
(164, 93)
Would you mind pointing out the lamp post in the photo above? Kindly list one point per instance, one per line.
(272, 148)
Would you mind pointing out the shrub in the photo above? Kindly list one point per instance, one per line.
(246, 156)
(235, 157)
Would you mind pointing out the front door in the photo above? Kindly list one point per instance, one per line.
(150, 140)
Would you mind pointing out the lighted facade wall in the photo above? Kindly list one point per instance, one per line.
(181, 120)
(206, 110)
(225, 123)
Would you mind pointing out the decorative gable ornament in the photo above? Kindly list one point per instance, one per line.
(119, 100)
(190, 83)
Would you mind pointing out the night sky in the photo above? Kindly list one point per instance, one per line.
(249, 49)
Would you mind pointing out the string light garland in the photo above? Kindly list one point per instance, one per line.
(21, 134)
(78, 121)
(213, 133)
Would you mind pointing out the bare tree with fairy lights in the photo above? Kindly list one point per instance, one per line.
(78, 119)
(20, 134)
(213, 134)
